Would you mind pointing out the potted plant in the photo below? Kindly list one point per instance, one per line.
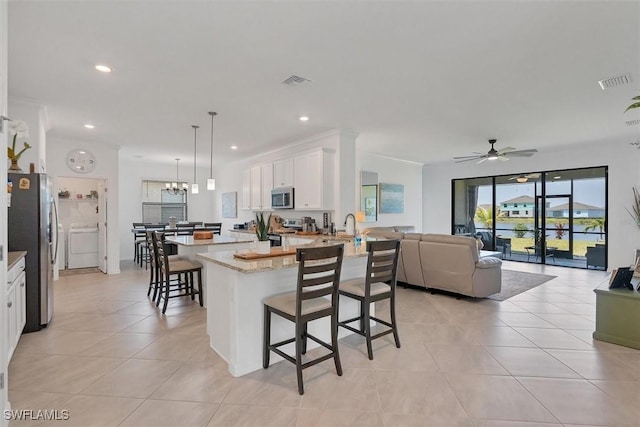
(262, 229)
(17, 128)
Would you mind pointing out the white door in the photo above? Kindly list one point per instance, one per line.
(102, 226)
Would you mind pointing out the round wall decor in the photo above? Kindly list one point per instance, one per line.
(81, 161)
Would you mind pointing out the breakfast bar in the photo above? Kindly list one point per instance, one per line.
(236, 289)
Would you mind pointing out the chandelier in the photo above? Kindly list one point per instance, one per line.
(173, 188)
(211, 182)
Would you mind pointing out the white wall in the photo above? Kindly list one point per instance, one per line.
(624, 172)
(391, 171)
(35, 116)
(133, 172)
(106, 168)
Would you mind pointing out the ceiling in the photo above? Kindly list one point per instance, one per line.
(421, 81)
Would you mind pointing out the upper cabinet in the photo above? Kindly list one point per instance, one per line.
(314, 180)
(283, 173)
(261, 184)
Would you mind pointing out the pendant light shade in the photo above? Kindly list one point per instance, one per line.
(194, 186)
(211, 182)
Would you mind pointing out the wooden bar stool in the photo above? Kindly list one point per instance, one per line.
(154, 270)
(316, 297)
(378, 284)
(216, 227)
(183, 269)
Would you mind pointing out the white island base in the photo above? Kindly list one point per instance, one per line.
(235, 309)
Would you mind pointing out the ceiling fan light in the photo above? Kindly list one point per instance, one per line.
(492, 156)
(211, 184)
(522, 179)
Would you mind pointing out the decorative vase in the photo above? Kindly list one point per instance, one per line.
(263, 247)
(14, 166)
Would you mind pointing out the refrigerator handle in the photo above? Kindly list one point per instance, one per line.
(55, 225)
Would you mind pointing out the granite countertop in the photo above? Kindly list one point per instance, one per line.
(14, 257)
(217, 240)
(346, 238)
(226, 258)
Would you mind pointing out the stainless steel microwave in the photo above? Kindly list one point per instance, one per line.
(282, 198)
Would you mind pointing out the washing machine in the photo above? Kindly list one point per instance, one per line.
(82, 246)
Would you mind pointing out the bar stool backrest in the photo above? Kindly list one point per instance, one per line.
(185, 229)
(382, 263)
(216, 227)
(162, 254)
(318, 275)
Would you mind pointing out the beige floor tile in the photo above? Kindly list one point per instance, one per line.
(310, 417)
(355, 390)
(159, 413)
(59, 341)
(500, 336)
(134, 378)
(196, 383)
(420, 393)
(156, 324)
(498, 423)
(122, 345)
(587, 336)
(553, 339)
(59, 374)
(596, 365)
(531, 362)
(36, 401)
(97, 411)
(625, 392)
(275, 386)
(524, 320)
(177, 347)
(569, 321)
(587, 403)
(540, 307)
(415, 420)
(497, 398)
(246, 415)
(465, 358)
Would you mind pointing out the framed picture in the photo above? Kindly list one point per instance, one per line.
(621, 278)
(230, 204)
(391, 198)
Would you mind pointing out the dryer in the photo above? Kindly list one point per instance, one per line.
(82, 246)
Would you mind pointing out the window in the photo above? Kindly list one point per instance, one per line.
(526, 212)
(158, 204)
(504, 205)
(516, 212)
(515, 205)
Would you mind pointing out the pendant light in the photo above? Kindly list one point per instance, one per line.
(172, 188)
(194, 186)
(211, 182)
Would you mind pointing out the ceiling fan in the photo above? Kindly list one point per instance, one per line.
(524, 177)
(494, 154)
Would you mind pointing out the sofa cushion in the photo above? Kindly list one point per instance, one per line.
(489, 262)
(405, 228)
(413, 236)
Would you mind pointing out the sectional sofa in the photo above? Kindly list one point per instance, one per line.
(440, 261)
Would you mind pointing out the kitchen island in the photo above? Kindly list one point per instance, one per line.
(236, 289)
(188, 247)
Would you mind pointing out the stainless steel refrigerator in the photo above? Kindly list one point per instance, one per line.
(33, 227)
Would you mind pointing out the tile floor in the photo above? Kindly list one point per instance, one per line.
(111, 359)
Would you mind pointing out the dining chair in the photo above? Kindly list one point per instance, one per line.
(138, 238)
(185, 229)
(378, 284)
(176, 277)
(315, 297)
(144, 256)
(216, 227)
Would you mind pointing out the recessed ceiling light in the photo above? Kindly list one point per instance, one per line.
(103, 68)
(304, 118)
(234, 147)
(89, 126)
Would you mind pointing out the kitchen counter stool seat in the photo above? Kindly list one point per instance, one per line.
(378, 284)
(316, 297)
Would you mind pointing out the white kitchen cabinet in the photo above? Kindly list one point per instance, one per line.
(16, 305)
(261, 177)
(246, 189)
(283, 173)
(314, 180)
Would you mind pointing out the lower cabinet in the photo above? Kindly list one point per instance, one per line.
(16, 306)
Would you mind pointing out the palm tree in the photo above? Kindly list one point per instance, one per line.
(485, 216)
(596, 224)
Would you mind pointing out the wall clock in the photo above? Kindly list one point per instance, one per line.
(81, 161)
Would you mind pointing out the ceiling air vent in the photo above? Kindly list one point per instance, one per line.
(633, 122)
(296, 81)
(614, 81)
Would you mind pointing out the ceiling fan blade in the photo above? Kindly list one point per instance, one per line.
(468, 159)
(481, 160)
(532, 175)
(503, 158)
(521, 153)
(507, 150)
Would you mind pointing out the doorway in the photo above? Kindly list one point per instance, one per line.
(82, 216)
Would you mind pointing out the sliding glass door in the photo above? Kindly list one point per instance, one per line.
(552, 217)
